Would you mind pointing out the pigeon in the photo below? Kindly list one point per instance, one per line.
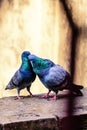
(53, 76)
(23, 77)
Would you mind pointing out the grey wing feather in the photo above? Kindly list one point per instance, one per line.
(56, 76)
(17, 78)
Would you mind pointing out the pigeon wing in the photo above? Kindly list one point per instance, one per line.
(56, 76)
(17, 78)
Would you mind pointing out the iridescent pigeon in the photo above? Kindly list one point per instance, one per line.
(23, 77)
(53, 76)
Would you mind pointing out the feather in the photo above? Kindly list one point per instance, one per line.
(23, 77)
(54, 77)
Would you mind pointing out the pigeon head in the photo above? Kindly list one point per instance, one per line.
(33, 58)
(25, 54)
(25, 61)
(38, 63)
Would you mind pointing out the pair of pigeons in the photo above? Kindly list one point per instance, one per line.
(53, 76)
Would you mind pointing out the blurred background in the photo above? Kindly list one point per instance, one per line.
(41, 27)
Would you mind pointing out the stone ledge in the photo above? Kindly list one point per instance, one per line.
(39, 114)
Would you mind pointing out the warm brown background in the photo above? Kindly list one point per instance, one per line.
(40, 26)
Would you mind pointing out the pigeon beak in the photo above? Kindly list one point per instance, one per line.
(31, 63)
(31, 57)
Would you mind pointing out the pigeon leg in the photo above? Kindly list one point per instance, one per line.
(28, 89)
(47, 95)
(54, 97)
(18, 97)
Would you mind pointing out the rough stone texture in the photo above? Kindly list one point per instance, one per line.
(40, 114)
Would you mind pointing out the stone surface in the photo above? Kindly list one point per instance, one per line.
(37, 113)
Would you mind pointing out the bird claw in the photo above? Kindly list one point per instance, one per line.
(45, 96)
(53, 98)
(31, 95)
(18, 97)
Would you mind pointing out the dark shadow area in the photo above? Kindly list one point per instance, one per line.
(83, 31)
(82, 119)
(71, 124)
(75, 33)
(1, 1)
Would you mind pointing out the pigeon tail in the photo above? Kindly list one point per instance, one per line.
(76, 89)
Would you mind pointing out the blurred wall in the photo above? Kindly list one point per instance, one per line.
(78, 9)
(42, 27)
